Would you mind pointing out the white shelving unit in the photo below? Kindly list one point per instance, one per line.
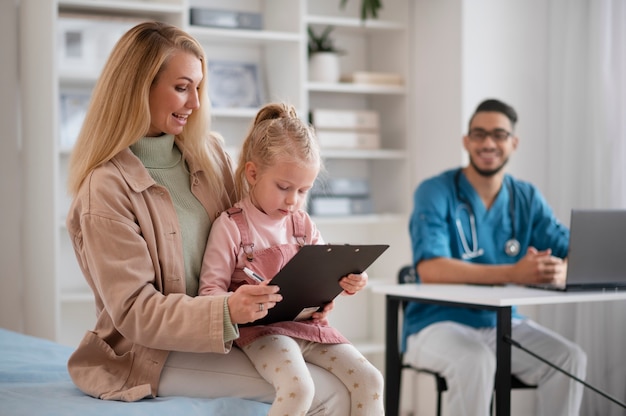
(379, 46)
(61, 305)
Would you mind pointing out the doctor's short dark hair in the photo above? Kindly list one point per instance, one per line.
(497, 106)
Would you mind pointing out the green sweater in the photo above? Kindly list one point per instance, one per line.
(165, 163)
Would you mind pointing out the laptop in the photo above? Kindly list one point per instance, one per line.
(596, 260)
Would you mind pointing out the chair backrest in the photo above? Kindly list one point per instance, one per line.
(407, 275)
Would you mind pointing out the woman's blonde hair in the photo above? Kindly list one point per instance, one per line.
(119, 111)
(277, 135)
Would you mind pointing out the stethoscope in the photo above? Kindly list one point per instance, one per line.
(512, 245)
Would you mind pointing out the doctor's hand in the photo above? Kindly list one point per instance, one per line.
(540, 267)
(251, 302)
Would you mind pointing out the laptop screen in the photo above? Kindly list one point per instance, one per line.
(597, 253)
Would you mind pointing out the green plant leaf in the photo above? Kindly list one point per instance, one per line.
(322, 42)
(368, 8)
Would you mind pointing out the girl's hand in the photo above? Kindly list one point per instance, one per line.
(352, 283)
(251, 302)
(323, 314)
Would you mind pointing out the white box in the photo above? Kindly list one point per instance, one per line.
(348, 140)
(341, 187)
(330, 206)
(340, 206)
(231, 19)
(345, 119)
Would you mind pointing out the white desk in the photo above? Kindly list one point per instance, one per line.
(497, 298)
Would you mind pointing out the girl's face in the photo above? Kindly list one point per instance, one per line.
(174, 94)
(280, 189)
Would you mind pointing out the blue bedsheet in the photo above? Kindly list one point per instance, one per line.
(34, 381)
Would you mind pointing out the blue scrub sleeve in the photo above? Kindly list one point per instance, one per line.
(429, 229)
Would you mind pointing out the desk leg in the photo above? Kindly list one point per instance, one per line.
(392, 360)
(503, 362)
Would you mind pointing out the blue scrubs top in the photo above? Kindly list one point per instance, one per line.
(440, 201)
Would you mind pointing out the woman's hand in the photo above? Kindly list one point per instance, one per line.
(251, 302)
(352, 283)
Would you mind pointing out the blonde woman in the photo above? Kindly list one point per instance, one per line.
(147, 180)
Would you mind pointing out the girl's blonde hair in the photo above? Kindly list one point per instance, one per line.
(119, 111)
(277, 135)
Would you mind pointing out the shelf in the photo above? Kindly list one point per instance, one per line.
(79, 79)
(359, 219)
(376, 45)
(344, 87)
(77, 297)
(247, 113)
(364, 154)
(342, 23)
(120, 6)
(246, 37)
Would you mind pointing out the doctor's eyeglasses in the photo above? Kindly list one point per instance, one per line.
(480, 135)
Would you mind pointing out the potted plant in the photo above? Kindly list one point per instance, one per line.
(368, 7)
(323, 56)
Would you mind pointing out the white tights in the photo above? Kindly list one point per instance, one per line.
(214, 375)
(281, 360)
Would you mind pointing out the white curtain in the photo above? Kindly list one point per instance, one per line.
(587, 168)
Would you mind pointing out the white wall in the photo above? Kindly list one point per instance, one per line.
(468, 50)
(10, 178)
(505, 55)
(436, 85)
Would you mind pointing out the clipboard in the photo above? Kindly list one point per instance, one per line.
(310, 279)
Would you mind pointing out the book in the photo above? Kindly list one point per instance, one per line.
(379, 78)
(345, 119)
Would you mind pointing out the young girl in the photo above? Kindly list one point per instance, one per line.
(279, 162)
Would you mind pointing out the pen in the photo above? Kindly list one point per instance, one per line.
(253, 275)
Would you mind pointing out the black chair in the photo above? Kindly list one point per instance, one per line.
(407, 275)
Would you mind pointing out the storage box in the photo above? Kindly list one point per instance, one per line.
(345, 119)
(226, 19)
(320, 205)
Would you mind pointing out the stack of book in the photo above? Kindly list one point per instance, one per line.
(346, 129)
(340, 196)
